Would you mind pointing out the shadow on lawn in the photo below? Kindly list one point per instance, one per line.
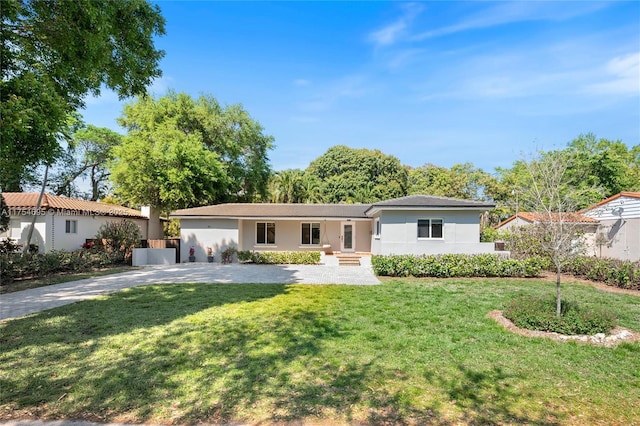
(268, 363)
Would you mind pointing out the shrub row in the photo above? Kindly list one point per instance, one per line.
(539, 313)
(14, 266)
(618, 273)
(280, 257)
(456, 265)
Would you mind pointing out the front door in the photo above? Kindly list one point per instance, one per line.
(348, 237)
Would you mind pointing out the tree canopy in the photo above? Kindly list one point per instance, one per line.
(358, 175)
(86, 157)
(53, 54)
(182, 152)
(460, 181)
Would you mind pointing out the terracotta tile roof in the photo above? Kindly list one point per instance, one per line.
(28, 200)
(532, 217)
(265, 210)
(612, 198)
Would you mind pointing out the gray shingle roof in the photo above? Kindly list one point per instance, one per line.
(355, 211)
(247, 210)
(430, 201)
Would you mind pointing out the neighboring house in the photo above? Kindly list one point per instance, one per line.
(530, 218)
(409, 225)
(64, 223)
(586, 225)
(619, 233)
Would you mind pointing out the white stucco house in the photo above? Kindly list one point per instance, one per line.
(417, 224)
(65, 223)
(618, 235)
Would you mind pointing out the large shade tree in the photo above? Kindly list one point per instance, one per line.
(358, 175)
(86, 158)
(182, 152)
(53, 54)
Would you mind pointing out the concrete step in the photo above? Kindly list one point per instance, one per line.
(348, 260)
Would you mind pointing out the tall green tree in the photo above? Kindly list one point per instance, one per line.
(4, 215)
(197, 153)
(460, 181)
(606, 164)
(166, 168)
(86, 157)
(53, 54)
(358, 175)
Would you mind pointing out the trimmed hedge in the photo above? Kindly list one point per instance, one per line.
(456, 265)
(539, 313)
(614, 272)
(280, 257)
(15, 266)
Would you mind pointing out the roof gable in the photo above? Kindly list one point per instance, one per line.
(612, 198)
(533, 217)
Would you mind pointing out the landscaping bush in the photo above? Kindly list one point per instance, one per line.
(280, 257)
(619, 273)
(456, 265)
(119, 237)
(16, 266)
(539, 313)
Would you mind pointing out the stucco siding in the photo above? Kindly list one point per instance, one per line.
(50, 230)
(619, 231)
(86, 228)
(399, 233)
(619, 239)
(289, 235)
(219, 234)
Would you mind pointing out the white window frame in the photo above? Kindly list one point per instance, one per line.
(71, 226)
(430, 220)
(266, 234)
(311, 226)
(377, 228)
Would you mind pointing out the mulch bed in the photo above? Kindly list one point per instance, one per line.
(617, 335)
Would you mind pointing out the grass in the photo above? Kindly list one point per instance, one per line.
(26, 284)
(406, 352)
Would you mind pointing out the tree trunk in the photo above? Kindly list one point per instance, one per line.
(558, 294)
(25, 249)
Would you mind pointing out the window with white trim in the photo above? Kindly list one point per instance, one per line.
(430, 228)
(310, 233)
(377, 230)
(265, 233)
(71, 227)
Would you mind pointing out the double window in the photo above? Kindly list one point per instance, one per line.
(265, 233)
(71, 227)
(430, 228)
(310, 234)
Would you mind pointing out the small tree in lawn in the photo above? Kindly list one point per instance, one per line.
(553, 195)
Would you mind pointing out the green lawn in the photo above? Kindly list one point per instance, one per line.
(405, 352)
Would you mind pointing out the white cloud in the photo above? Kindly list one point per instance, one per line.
(394, 31)
(622, 77)
(512, 12)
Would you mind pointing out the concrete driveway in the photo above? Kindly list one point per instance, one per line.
(21, 303)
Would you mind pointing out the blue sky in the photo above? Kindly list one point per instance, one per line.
(428, 82)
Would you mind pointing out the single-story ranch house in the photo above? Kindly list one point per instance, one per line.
(416, 224)
(64, 223)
